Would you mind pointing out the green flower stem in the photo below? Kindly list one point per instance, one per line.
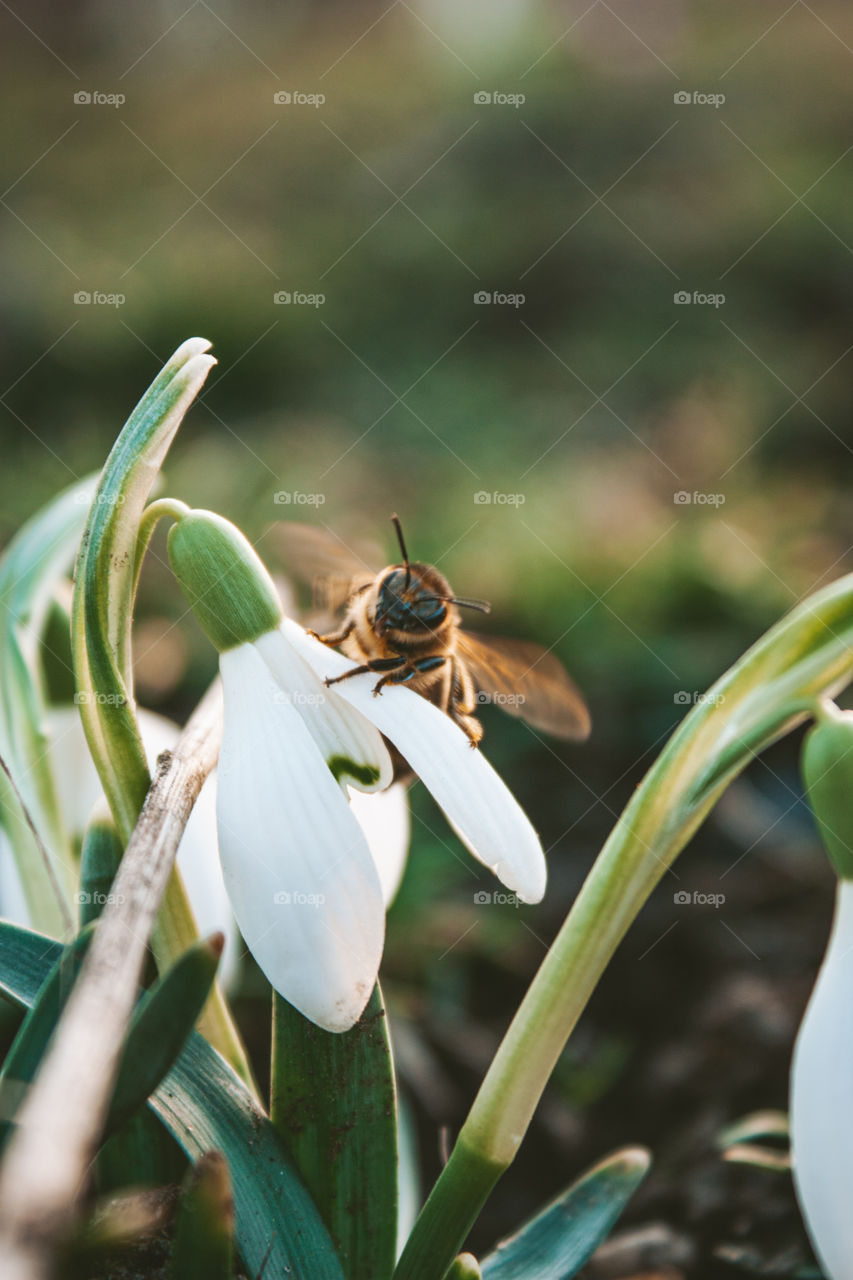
(772, 688)
(171, 507)
(447, 1216)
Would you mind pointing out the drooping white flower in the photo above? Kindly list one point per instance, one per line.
(822, 1100)
(822, 1067)
(301, 874)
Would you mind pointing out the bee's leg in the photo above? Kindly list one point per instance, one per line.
(463, 704)
(409, 671)
(334, 638)
(376, 664)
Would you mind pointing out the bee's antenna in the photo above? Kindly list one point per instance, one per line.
(395, 520)
(482, 606)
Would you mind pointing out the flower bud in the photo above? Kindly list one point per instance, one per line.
(224, 580)
(827, 764)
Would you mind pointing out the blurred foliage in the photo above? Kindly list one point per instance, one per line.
(597, 400)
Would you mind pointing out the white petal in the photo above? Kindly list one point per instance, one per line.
(342, 734)
(299, 873)
(79, 789)
(478, 805)
(384, 819)
(822, 1101)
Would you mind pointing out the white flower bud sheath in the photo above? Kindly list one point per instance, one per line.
(822, 1100)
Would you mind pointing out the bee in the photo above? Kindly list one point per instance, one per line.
(403, 624)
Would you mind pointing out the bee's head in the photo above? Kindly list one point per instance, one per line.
(411, 597)
(414, 597)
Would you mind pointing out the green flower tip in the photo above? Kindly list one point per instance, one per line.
(343, 767)
(827, 765)
(224, 580)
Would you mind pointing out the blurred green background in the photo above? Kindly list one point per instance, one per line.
(582, 412)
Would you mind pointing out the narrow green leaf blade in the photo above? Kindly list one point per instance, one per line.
(205, 1106)
(27, 1049)
(26, 958)
(99, 862)
(333, 1100)
(558, 1241)
(104, 582)
(161, 1022)
(36, 561)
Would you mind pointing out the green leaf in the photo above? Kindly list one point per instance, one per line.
(26, 958)
(741, 1142)
(161, 1022)
(333, 1100)
(32, 567)
(204, 1233)
(99, 860)
(104, 584)
(205, 1106)
(27, 1049)
(101, 617)
(757, 1125)
(140, 1154)
(560, 1240)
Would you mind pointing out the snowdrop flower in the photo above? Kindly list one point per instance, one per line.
(822, 1069)
(301, 873)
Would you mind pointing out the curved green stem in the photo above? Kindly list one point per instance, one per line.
(155, 511)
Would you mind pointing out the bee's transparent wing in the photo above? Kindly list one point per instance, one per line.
(527, 681)
(325, 562)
